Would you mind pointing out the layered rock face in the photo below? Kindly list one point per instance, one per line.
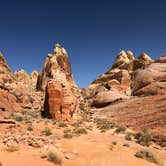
(56, 80)
(58, 67)
(150, 81)
(16, 91)
(116, 81)
(60, 102)
(133, 93)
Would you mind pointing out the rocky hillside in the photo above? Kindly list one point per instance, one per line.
(17, 91)
(122, 118)
(132, 92)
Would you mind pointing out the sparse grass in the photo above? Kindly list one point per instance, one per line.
(114, 143)
(55, 156)
(67, 130)
(12, 147)
(163, 144)
(76, 124)
(18, 118)
(149, 156)
(128, 136)
(120, 130)
(103, 124)
(126, 145)
(143, 138)
(79, 131)
(30, 128)
(67, 135)
(54, 123)
(62, 124)
(84, 112)
(111, 147)
(47, 131)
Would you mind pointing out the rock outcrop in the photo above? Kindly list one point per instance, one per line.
(57, 66)
(60, 102)
(34, 77)
(16, 89)
(8, 100)
(116, 80)
(6, 74)
(132, 93)
(150, 81)
(57, 81)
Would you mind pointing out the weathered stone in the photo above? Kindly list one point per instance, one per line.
(60, 102)
(57, 66)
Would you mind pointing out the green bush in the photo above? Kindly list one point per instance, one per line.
(47, 131)
(62, 124)
(120, 129)
(67, 135)
(149, 156)
(55, 156)
(128, 136)
(79, 131)
(143, 138)
(104, 124)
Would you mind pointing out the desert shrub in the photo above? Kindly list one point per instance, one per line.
(47, 131)
(76, 124)
(30, 128)
(55, 156)
(163, 144)
(128, 136)
(79, 131)
(126, 145)
(120, 129)
(149, 156)
(85, 113)
(67, 135)
(114, 142)
(62, 124)
(12, 147)
(18, 118)
(104, 124)
(111, 147)
(54, 122)
(67, 130)
(143, 138)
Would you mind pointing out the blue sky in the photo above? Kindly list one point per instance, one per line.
(93, 32)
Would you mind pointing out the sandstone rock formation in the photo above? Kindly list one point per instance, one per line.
(60, 102)
(22, 76)
(16, 89)
(133, 93)
(117, 79)
(56, 80)
(8, 101)
(57, 66)
(150, 81)
(6, 74)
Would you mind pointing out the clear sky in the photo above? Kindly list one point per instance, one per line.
(92, 31)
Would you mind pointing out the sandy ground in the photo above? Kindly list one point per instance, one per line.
(93, 149)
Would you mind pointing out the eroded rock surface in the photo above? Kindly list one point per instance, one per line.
(60, 102)
(56, 66)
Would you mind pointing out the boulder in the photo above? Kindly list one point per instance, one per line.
(149, 81)
(60, 102)
(117, 79)
(105, 98)
(162, 59)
